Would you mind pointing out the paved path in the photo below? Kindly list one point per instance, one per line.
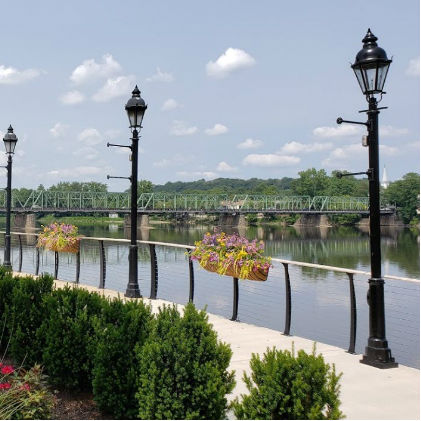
(366, 392)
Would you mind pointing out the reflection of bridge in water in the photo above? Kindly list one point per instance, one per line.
(149, 203)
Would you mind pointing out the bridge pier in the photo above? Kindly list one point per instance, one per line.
(24, 221)
(233, 220)
(313, 220)
(142, 221)
(385, 220)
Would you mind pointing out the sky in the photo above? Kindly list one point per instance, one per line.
(236, 89)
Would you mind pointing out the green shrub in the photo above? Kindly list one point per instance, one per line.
(67, 333)
(25, 396)
(6, 287)
(118, 330)
(183, 368)
(285, 386)
(25, 316)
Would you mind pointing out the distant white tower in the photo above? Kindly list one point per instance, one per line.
(385, 183)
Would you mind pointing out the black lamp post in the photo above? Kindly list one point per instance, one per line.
(371, 67)
(135, 108)
(10, 141)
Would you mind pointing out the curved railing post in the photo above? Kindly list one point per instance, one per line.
(154, 272)
(191, 278)
(287, 301)
(235, 300)
(102, 264)
(20, 253)
(56, 260)
(37, 261)
(77, 266)
(353, 316)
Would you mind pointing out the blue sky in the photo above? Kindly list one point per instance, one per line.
(234, 88)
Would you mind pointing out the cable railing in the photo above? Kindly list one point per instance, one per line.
(290, 297)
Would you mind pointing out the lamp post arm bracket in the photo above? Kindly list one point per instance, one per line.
(118, 146)
(340, 120)
(112, 176)
(340, 174)
(370, 111)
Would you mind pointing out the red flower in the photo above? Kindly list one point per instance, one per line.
(25, 387)
(7, 369)
(5, 386)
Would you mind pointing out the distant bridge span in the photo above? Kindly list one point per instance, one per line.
(159, 203)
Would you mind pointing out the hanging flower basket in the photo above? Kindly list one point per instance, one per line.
(59, 237)
(232, 255)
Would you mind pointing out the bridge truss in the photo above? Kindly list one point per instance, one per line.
(36, 201)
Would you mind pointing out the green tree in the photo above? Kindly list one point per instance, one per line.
(311, 183)
(406, 194)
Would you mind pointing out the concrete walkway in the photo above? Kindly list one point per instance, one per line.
(367, 393)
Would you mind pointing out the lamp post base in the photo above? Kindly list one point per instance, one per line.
(133, 290)
(379, 356)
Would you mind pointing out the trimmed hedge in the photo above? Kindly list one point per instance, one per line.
(183, 368)
(119, 329)
(288, 387)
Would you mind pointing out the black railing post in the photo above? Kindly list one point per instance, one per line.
(191, 278)
(37, 261)
(154, 272)
(287, 301)
(20, 253)
(102, 265)
(235, 300)
(77, 266)
(56, 265)
(353, 317)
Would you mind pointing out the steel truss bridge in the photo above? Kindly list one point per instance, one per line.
(149, 203)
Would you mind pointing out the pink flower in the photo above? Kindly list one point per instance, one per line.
(5, 386)
(25, 387)
(7, 369)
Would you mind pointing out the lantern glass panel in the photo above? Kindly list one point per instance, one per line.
(359, 74)
(381, 75)
(370, 78)
(10, 146)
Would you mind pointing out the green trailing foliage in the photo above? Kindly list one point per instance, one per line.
(6, 287)
(183, 368)
(67, 333)
(285, 386)
(25, 314)
(119, 329)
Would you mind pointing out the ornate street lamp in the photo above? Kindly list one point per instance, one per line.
(10, 141)
(135, 108)
(371, 67)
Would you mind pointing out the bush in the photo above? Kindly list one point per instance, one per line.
(67, 333)
(283, 386)
(26, 314)
(6, 287)
(183, 368)
(118, 330)
(24, 394)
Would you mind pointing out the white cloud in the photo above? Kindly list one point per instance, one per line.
(113, 88)
(297, 147)
(160, 76)
(72, 98)
(392, 131)
(180, 128)
(89, 153)
(76, 171)
(192, 175)
(339, 131)
(270, 160)
(250, 144)
(388, 150)
(170, 104)
(347, 157)
(12, 76)
(59, 129)
(90, 69)
(413, 68)
(90, 137)
(224, 167)
(233, 59)
(177, 159)
(216, 130)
